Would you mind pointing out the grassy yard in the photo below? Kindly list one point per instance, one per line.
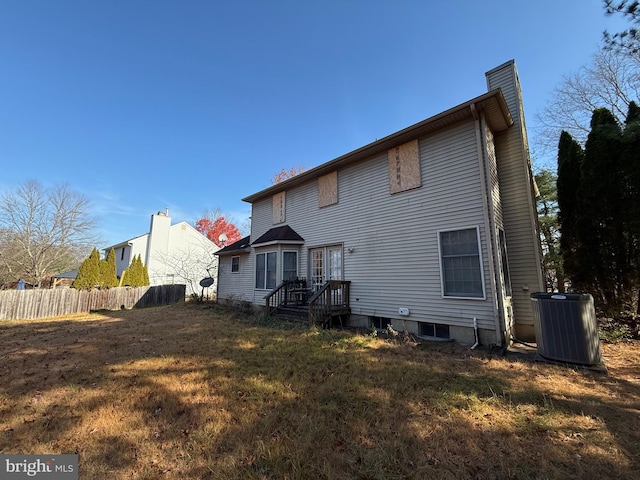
(195, 391)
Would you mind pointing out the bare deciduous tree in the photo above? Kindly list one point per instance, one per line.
(610, 81)
(188, 265)
(43, 232)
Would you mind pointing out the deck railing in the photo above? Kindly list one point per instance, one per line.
(287, 293)
(276, 297)
(331, 299)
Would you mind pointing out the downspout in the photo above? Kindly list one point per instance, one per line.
(475, 332)
(217, 277)
(488, 224)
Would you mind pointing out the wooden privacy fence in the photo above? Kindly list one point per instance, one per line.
(31, 304)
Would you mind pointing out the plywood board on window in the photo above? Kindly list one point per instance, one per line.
(328, 189)
(279, 208)
(404, 167)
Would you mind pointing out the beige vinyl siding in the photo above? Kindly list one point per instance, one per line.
(494, 182)
(390, 241)
(495, 204)
(395, 261)
(517, 198)
(235, 285)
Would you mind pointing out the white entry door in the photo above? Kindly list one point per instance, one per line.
(325, 264)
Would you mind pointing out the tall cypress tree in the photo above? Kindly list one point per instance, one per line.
(600, 227)
(570, 156)
(145, 274)
(137, 271)
(124, 278)
(129, 276)
(108, 272)
(89, 272)
(136, 274)
(599, 199)
(631, 208)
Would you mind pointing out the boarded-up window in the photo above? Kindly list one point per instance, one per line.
(328, 189)
(278, 207)
(404, 167)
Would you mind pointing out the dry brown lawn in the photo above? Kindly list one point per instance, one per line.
(194, 391)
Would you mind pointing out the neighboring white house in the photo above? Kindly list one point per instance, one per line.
(173, 254)
(426, 229)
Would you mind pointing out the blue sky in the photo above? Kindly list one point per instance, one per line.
(192, 105)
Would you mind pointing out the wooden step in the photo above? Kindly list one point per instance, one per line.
(293, 313)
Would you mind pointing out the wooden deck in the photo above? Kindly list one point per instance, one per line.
(294, 301)
(329, 303)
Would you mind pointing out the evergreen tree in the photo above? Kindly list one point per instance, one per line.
(89, 272)
(124, 278)
(599, 199)
(570, 156)
(108, 270)
(600, 228)
(136, 274)
(129, 275)
(627, 41)
(547, 206)
(145, 275)
(631, 209)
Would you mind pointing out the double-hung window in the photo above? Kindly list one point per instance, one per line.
(235, 264)
(460, 263)
(266, 270)
(289, 265)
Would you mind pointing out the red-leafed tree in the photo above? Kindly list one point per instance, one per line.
(214, 230)
(284, 174)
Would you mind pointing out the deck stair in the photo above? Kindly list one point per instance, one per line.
(327, 306)
(292, 313)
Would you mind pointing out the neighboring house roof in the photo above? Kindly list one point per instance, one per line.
(241, 246)
(124, 243)
(282, 234)
(71, 274)
(492, 103)
(144, 235)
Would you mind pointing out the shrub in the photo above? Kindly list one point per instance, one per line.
(108, 276)
(624, 326)
(136, 274)
(89, 273)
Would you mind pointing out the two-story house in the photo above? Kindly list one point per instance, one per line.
(172, 253)
(432, 229)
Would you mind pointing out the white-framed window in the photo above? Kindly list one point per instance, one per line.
(460, 263)
(289, 265)
(266, 268)
(235, 264)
